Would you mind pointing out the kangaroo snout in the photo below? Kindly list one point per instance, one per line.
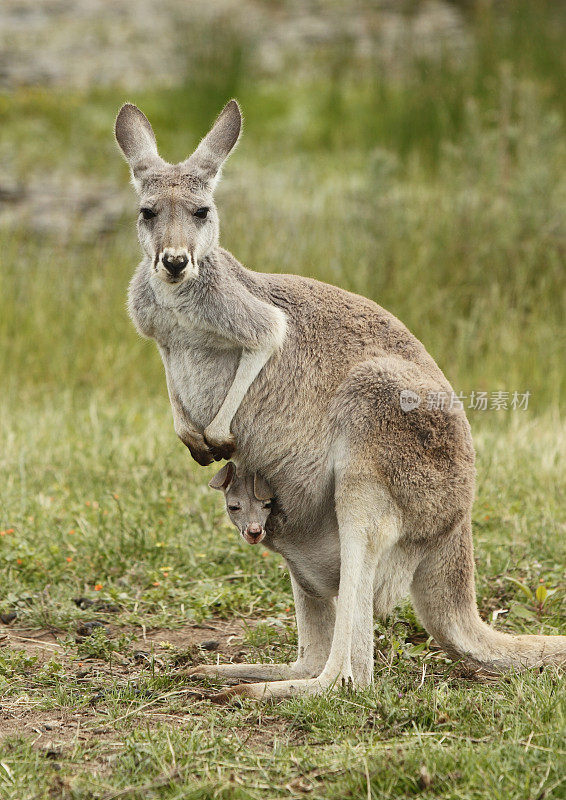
(174, 261)
(254, 533)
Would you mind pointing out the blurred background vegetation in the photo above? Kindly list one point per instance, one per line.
(413, 152)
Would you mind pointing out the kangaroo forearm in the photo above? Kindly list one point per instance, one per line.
(184, 427)
(180, 419)
(186, 431)
(251, 364)
(260, 328)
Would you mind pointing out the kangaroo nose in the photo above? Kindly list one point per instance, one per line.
(174, 264)
(254, 533)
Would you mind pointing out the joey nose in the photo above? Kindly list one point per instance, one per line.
(254, 533)
(174, 264)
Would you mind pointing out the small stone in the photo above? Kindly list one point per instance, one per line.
(83, 602)
(88, 628)
(211, 644)
(108, 608)
(52, 725)
(141, 655)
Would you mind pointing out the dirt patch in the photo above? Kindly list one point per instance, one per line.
(151, 653)
(51, 730)
(121, 695)
(264, 731)
(223, 637)
(40, 644)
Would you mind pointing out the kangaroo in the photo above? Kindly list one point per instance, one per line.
(249, 501)
(304, 383)
(178, 295)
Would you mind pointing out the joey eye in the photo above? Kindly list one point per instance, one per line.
(201, 212)
(268, 504)
(233, 507)
(148, 213)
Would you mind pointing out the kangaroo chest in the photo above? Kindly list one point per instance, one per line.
(200, 364)
(200, 377)
(280, 430)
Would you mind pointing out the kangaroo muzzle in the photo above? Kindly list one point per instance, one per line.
(175, 262)
(254, 533)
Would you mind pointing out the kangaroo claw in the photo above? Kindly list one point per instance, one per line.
(228, 696)
(221, 450)
(201, 455)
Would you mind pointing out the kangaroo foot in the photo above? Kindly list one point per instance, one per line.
(276, 690)
(243, 672)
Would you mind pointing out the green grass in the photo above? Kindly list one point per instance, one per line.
(439, 191)
(142, 515)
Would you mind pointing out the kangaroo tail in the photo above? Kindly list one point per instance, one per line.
(444, 597)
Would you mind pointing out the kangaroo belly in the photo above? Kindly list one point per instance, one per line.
(312, 554)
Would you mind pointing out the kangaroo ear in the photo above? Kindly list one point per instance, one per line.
(216, 146)
(262, 490)
(136, 138)
(223, 477)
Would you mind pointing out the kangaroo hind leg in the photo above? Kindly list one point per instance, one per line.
(444, 597)
(315, 623)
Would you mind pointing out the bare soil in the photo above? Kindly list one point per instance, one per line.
(167, 651)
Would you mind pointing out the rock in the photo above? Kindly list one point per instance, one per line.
(83, 602)
(210, 645)
(85, 629)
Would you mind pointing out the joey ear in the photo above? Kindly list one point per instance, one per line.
(262, 490)
(223, 477)
(136, 138)
(216, 146)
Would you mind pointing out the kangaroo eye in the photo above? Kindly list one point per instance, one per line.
(148, 213)
(233, 507)
(201, 212)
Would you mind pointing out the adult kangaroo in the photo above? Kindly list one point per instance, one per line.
(306, 383)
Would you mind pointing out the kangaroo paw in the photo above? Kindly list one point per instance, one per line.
(201, 455)
(198, 448)
(220, 448)
(243, 672)
(228, 696)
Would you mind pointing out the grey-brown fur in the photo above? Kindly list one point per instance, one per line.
(376, 501)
